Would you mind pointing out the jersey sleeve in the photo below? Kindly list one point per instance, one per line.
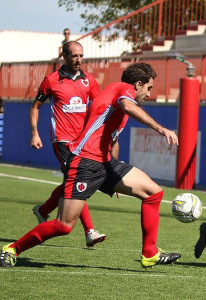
(44, 90)
(125, 92)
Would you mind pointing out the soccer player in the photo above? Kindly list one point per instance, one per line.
(91, 167)
(201, 243)
(69, 90)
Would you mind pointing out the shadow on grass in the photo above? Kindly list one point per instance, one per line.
(185, 264)
(192, 264)
(9, 200)
(8, 241)
(91, 207)
(26, 262)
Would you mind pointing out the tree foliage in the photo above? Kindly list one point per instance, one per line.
(142, 29)
(98, 13)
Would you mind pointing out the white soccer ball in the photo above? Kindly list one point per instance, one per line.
(186, 207)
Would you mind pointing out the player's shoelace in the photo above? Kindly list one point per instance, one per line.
(7, 259)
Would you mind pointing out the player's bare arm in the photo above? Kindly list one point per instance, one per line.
(115, 154)
(34, 116)
(137, 113)
(115, 149)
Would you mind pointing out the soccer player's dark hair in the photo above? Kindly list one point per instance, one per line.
(66, 47)
(138, 72)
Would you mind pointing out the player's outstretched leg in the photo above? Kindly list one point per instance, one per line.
(36, 236)
(137, 184)
(150, 223)
(201, 243)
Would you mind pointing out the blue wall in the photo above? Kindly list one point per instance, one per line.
(1, 131)
(16, 135)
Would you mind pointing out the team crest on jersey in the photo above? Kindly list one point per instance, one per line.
(81, 186)
(85, 82)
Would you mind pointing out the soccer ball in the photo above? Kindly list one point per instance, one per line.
(186, 207)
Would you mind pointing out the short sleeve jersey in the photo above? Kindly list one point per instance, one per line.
(69, 100)
(104, 122)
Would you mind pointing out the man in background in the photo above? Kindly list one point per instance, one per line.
(69, 90)
(66, 34)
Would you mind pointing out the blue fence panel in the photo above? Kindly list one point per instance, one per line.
(1, 132)
(16, 135)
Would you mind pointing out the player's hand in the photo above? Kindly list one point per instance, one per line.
(36, 142)
(171, 137)
(117, 194)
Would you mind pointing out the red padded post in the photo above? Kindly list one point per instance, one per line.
(187, 133)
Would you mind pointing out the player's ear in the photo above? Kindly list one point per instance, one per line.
(137, 85)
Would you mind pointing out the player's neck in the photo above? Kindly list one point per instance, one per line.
(72, 75)
(70, 72)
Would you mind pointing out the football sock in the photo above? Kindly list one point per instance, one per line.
(52, 202)
(39, 234)
(150, 223)
(85, 218)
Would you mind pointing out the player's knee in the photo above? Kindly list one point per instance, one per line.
(159, 191)
(155, 198)
(62, 228)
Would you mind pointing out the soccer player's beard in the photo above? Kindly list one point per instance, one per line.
(139, 101)
(76, 68)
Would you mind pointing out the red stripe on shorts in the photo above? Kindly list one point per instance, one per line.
(71, 177)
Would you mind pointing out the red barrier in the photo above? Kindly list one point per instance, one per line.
(22, 80)
(187, 132)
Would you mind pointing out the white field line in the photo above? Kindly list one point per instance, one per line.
(56, 183)
(92, 274)
(30, 179)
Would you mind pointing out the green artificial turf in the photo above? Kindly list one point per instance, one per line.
(64, 268)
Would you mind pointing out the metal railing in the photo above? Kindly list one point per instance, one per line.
(145, 27)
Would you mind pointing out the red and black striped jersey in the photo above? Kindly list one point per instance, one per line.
(69, 97)
(104, 122)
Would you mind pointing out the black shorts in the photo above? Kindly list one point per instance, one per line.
(83, 177)
(62, 152)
